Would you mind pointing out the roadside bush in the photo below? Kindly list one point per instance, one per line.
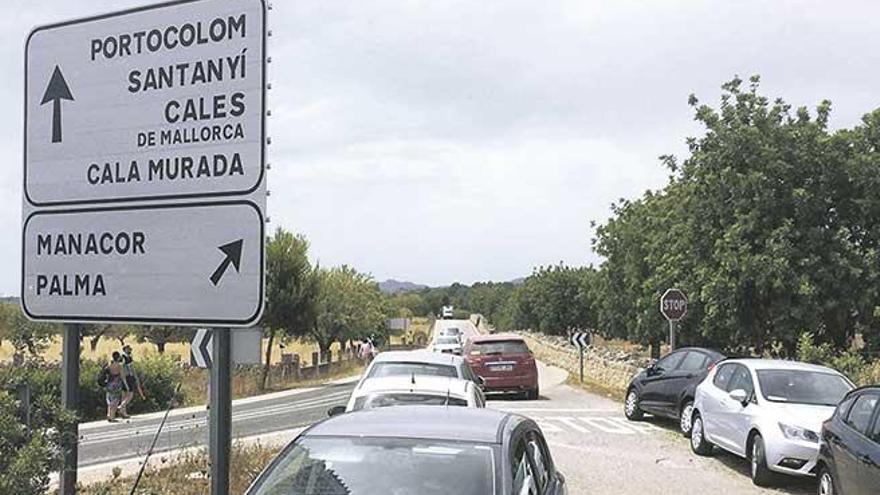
(849, 362)
(159, 376)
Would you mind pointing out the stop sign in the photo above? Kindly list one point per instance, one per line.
(673, 304)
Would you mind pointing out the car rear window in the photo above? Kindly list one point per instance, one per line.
(500, 347)
(380, 370)
(345, 466)
(404, 399)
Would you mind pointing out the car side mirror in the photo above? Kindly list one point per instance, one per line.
(740, 396)
(653, 369)
(481, 381)
(335, 411)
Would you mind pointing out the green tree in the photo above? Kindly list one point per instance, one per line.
(291, 290)
(26, 336)
(349, 307)
(160, 335)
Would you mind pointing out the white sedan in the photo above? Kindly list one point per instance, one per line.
(413, 390)
(447, 344)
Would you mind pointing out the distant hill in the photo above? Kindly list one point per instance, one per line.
(9, 299)
(392, 286)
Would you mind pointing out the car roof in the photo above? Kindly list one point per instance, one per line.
(463, 424)
(495, 337)
(706, 350)
(780, 364)
(415, 383)
(419, 356)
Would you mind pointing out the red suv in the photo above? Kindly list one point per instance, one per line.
(504, 362)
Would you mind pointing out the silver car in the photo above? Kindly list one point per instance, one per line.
(767, 411)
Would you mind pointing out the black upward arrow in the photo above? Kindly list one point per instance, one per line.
(233, 256)
(56, 91)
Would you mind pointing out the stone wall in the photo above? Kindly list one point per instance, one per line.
(605, 367)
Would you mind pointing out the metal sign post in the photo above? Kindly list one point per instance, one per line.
(220, 436)
(69, 399)
(673, 307)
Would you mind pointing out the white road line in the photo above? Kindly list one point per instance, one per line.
(548, 427)
(549, 410)
(569, 421)
(639, 426)
(608, 426)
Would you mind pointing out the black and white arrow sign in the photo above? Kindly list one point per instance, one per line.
(201, 354)
(579, 339)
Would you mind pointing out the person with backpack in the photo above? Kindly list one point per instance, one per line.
(132, 381)
(112, 382)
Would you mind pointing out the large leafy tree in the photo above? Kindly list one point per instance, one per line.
(291, 290)
(349, 307)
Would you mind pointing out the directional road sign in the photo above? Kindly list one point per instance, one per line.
(200, 349)
(155, 103)
(579, 339)
(144, 188)
(199, 263)
(673, 304)
(246, 346)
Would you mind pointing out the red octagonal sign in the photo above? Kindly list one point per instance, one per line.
(673, 304)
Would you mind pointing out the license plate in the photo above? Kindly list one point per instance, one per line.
(501, 367)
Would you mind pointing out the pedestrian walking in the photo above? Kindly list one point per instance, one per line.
(114, 385)
(132, 381)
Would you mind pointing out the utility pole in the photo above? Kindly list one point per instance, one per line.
(69, 400)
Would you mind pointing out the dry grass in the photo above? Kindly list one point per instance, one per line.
(595, 387)
(188, 474)
(246, 382)
(106, 346)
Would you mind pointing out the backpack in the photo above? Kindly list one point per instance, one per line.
(104, 376)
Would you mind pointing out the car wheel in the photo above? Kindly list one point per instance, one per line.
(827, 486)
(532, 394)
(631, 406)
(685, 418)
(761, 474)
(699, 444)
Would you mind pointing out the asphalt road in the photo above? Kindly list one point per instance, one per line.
(600, 452)
(591, 442)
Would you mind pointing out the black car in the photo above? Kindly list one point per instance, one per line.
(666, 388)
(849, 447)
(426, 450)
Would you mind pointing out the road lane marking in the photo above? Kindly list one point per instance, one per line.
(602, 424)
(570, 422)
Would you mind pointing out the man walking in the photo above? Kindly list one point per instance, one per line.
(132, 381)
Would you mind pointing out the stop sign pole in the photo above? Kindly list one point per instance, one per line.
(673, 306)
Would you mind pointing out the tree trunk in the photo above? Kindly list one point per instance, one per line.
(93, 342)
(160, 346)
(268, 362)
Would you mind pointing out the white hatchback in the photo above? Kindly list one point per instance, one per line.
(767, 411)
(414, 390)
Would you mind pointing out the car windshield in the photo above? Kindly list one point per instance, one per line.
(446, 340)
(452, 331)
(500, 347)
(346, 466)
(380, 370)
(373, 401)
(803, 387)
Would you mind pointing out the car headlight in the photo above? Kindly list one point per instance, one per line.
(798, 433)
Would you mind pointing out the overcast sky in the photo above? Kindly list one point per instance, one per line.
(439, 141)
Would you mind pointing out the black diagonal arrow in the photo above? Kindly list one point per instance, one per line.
(233, 257)
(56, 91)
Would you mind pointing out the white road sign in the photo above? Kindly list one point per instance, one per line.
(200, 263)
(155, 103)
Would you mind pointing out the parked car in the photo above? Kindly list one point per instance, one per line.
(767, 411)
(421, 362)
(447, 344)
(459, 450)
(413, 391)
(505, 364)
(666, 388)
(849, 446)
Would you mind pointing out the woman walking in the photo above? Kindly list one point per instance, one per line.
(115, 387)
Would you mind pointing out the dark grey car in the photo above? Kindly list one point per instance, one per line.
(415, 450)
